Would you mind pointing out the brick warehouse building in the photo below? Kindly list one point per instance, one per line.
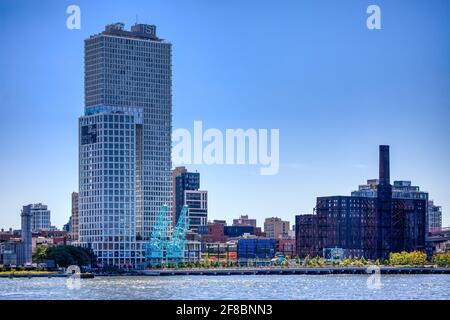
(364, 226)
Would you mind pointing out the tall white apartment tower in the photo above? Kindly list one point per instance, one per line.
(124, 141)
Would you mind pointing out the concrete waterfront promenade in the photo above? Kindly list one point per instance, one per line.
(245, 271)
(31, 275)
(292, 271)
(43, 275)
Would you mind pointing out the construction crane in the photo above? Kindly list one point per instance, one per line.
(154, 251)
(176, 246)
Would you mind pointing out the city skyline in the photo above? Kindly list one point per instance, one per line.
(332, 161)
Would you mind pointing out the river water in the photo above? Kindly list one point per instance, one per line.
(229, 287)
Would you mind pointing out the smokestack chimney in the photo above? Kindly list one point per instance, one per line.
(384, 177)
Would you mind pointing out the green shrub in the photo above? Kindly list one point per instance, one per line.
(442, 259)
(408, 258)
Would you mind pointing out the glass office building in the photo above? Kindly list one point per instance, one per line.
(40, 216)
(124, 141)
(255, 248)
(197, 202)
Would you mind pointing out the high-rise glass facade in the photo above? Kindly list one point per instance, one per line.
(125, 141)
(40, 216)
(197, 202)
(185, 181)
(186, 192)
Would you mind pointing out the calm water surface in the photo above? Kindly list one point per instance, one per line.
(231, 287)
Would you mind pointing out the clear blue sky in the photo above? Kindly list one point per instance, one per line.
(310, 68)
